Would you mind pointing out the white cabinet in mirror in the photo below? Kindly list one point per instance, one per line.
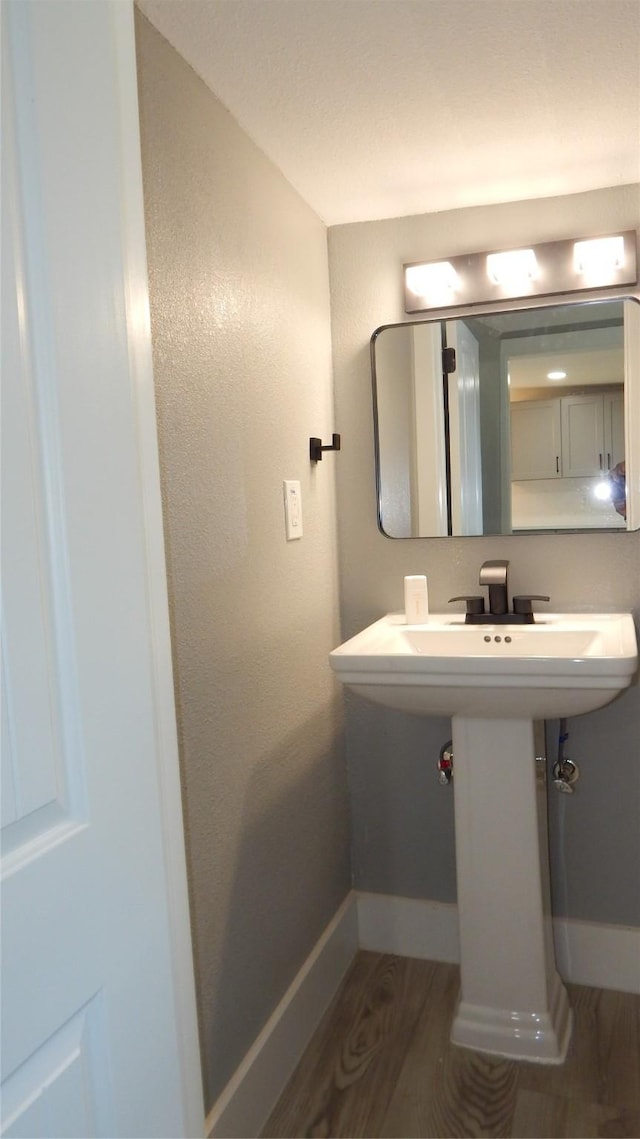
(509, 422)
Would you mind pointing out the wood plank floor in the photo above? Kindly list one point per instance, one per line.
(381, 1065)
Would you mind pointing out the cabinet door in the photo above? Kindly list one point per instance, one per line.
(535, 439)
(583, 451)
(613, 429)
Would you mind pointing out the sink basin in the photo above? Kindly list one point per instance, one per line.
(496, 682)
(563, 665)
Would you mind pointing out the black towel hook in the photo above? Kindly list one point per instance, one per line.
(316, 448)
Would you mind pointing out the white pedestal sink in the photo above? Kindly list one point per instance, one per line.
(496, 681)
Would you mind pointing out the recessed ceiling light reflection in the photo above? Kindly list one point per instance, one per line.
(556, 375)
(602, 491)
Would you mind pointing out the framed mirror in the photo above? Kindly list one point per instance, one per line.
(509, 422)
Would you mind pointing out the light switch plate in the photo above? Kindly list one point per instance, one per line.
(292, 509)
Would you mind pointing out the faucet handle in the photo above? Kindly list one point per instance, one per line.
(475, 605)
(522, 604)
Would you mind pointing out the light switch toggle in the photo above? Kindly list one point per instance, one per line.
(292, 508)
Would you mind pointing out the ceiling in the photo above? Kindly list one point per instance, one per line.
(597, 366)
(382, 108)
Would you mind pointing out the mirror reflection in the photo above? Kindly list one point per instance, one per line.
(506, 422)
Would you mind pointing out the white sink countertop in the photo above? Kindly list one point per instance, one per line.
(563, 664)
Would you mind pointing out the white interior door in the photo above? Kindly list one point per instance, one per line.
(464, 431)
(428, 442)
(632, 410)
(99, 1034)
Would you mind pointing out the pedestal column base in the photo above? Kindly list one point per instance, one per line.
(541, 1037)
(512, 1001)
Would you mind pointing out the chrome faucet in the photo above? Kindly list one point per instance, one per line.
(494, 574)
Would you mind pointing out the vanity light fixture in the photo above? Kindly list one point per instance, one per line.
(513, 269)
(599, 258)
(435, 282)
(546, 269)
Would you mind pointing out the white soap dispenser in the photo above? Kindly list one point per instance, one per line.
(416, 599)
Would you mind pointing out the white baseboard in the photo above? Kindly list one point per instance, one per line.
(604, 956)
(245, 1104)
(587, 953)
(410, 927)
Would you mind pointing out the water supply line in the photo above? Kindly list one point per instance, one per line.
(445, 764)
(565, 771)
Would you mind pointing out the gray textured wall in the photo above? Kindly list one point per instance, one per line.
(402, 820)
(242, 359)
(240, 318)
